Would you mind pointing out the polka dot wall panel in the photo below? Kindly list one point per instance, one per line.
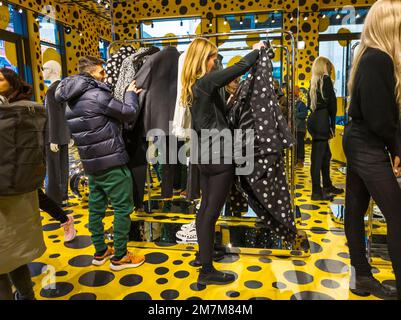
(87, 29)
(127, 14)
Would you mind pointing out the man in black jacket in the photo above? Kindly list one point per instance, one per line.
(94, 118)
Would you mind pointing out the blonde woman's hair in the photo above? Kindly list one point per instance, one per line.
(321, 67)
(195, 67)
(382, 31)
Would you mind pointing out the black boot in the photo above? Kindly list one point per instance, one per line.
(367, 285)
(214, 277)
(333, 190)
(217, 256)
(321, 195)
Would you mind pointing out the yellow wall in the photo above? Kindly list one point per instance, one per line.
(93, 28)
(128, 13)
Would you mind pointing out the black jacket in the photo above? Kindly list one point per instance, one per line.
(94, 118)
(158, 79)
(322, 121)
(257, 108)
(208, 109)
(58, 131)
(373, 102)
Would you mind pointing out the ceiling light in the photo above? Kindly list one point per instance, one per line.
(257, 19)
(306, 18)
(338, 17)
(20, 11)
(324, 16)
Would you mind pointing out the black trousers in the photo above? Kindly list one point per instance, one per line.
(139, 178)
(387, 195)
(320, 164)
(215, 184)
(301, 146)
(49, 206)
(57, 174)
(21, 279)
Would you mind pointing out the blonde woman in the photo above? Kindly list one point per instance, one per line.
(373, 132)
(200, 93)
(322, 126)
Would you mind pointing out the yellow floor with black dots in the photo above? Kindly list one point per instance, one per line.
(167, 274)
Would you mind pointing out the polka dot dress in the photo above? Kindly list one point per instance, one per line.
(266, 188)
(114, 63)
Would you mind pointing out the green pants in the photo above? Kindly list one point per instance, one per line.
(114, 185)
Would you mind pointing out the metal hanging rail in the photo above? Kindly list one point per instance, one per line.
(290, 60)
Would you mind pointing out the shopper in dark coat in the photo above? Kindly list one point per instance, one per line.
(301, 113)
(371, 135)
(322, 127)
(95, 121)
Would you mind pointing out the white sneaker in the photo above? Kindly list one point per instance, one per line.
(188, 226)
(187, 236)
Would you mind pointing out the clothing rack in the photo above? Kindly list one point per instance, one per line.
(290, 62)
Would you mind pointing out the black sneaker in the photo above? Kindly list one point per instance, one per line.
(367, 285)
(217, 256)
(322, 196)
(333, 190)
(215, 277)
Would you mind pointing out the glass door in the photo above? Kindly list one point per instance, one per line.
(11, 52)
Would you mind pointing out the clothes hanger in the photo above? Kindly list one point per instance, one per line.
(269, 49)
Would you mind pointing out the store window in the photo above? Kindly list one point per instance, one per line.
(52, 47)
(232, 48)
(13, 31)
(103, 47)
(339, 33)
(169, 28)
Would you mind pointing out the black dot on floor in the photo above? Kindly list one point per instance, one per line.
(61, 273)
(279, 285)
(56, 241)
(331, 284)
(305, 216)
(161, 281)
(80, 242)
(318, 230)
(51, 226)
(194, 298)
(131, 280)
(138, 296)
(254, 268)
(161, 270)
(232, 294)
(259, 298)
(197, 286)
(54, 256)
(156, 257)
(298, 263)
(265, 252)
(36, 268)
(311, 295)
(56, 290)
(331, 266)
(186, 254)
(344, 255)
(298, 277)
(265, 260)
(81, 261)
(53, 236)
(229, 258)
(169, 294)
(96, 278)
(252, 284)
(84, 296)
(326, 240)
(309, 207)
(177, 262)
(314, 247)
(181, 274)
(77, 216)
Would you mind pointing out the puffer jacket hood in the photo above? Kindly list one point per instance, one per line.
(74, 87)
(95, 121)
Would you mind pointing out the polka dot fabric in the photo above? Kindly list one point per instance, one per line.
(256, 108)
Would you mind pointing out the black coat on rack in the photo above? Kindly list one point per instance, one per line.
(158, 79)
